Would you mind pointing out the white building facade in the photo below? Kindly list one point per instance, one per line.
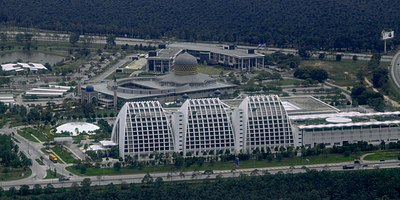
(142, 128)
(262, 122)
(202, 127)
(339, 134)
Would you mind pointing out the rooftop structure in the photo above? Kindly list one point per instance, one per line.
(343, 114)
(77, 128)
(23, 66)
(306, 105)
(226, 55)
(7, 99)
(47, 92)
(184, 83)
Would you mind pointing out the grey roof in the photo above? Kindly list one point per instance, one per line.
(102, 88)
(185, 59)
(216, 49)
(177, 79)
(168, 53)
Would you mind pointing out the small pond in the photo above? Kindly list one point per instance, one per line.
(37, 57)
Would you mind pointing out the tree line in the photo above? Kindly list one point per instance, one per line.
(366, 184)
(313, 24)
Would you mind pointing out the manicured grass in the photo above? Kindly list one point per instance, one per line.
(27, 135)
(40, 162)
(63, 153)
(322, 159)
(50, 174)
(341, 73)
(14, 174)
(28, 132)
(285, 82)
(123, 170)
(118, 75)
(210, 70)
(383, 155)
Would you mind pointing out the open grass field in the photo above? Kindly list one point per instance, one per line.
(64, 154)
(50, 174)
(14, 174)
(341, 73)
(383, 155)
(28, 132)
(333, 158)
(285, 82)
(211, 70)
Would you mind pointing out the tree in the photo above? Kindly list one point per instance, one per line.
(110, 40)
(3, 37)
(49, 189)
(85, 186)
(319, 75)
(304, 54)
(74, 38)
(12, 192)
(3, 108)
(24, 190)
(37, 189)
(321, 56)
(339, 57)
(380, 77)
(117, 166)
(147, 179)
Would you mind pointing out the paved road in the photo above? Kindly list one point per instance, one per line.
(395, 69)
(32, 151)
(45, 36)
(111, 69)
(137, 178)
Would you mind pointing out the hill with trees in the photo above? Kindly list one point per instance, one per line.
(309, 24)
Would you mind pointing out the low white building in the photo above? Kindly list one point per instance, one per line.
(23, 66)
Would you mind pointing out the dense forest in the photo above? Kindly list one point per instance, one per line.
(310, 24)
(369, 184)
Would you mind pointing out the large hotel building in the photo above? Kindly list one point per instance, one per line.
(202, 126)
(209, 126)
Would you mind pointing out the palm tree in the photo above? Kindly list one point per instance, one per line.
(169, 176)
(182, 175)
(255, 173)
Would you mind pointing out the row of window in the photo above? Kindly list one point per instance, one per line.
(271, 142)
(197, 146)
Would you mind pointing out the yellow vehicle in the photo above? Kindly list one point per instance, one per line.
(53, 158)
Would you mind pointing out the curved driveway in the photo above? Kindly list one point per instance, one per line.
(395, 69)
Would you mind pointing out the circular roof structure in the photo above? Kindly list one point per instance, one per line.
(76, 128)
(185, 64)
(338, 120)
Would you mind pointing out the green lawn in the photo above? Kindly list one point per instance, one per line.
(27, 135)
(40, 162)
(28, 132)
(341, 73)
(211, 70)
(383, 155)
(285, 82)
(118, 75)
(14, 174)
(50, 174)
(333, 158)
(64, 154)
